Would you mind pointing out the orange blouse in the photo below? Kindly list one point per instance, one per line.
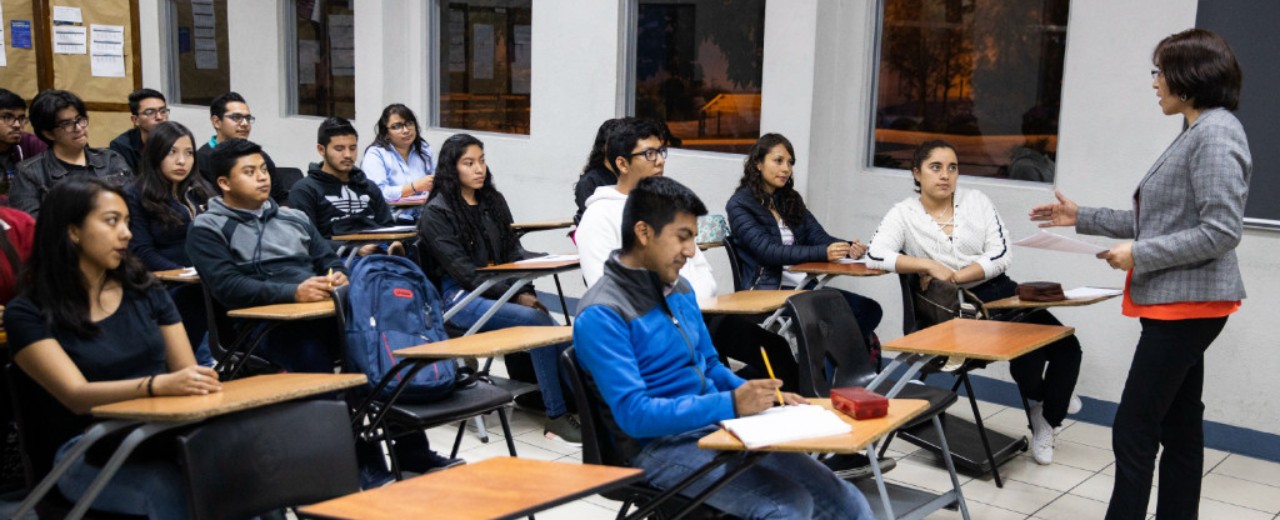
(1174, 310)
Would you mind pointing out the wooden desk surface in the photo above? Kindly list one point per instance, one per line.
(376, 237)
(542, 225)
(1013, 302)
(238, 395)
(864, 432)
(176, 275)
(286, 311)
(710, 245)
(979, 339)
(501, 487)
(748, 302)
(530, 266)
(407, 202)
(489, 344)
(835, 268)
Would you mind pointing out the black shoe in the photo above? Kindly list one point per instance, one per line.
(856, 466)
(426, 461)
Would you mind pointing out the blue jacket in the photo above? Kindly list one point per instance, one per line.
(650, 355)
(761, 253)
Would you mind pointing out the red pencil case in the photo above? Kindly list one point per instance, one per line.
(859, 403)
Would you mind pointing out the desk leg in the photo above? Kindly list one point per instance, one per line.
(884, 491)
(506, 297)
(564, 307)
(117, 459)
(822, 282)
(91, 436)
(951, 467)
(471, 296)
(982, 431)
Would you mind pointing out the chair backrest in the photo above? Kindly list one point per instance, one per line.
(826, 330)
(245, 464)
(735, 265)
(905, 283)
(603, 442)
(31, 412)
(287, 177)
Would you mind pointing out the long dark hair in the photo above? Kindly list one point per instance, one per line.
(380, 130)
(790, 205)
(53, 279)
(156, 189)
(448, 185)
(598, 158)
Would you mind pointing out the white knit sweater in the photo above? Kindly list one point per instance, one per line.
(978, 236)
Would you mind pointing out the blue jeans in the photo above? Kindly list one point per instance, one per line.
(300, 346)
(545, 364)
(780, 485)
(151, 488)
(189, 299)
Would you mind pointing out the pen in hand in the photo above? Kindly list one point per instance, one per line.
(769, 367)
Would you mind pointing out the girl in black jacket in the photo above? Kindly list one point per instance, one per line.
(466, 224)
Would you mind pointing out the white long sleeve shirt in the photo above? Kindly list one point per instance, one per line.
(978, 236)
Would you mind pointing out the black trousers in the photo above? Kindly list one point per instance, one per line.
(1161, 406)
(1047, 374)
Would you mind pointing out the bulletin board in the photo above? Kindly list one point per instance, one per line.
(82, 73)
(20, 73)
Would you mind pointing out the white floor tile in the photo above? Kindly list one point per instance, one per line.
(1081, 456)
(1072, 507)
(1087, 434)
(1215, 509)
(499, 449)
(1212, 458)
(922, 474)
(1016, 496)
(537, 438)
(1247, 468)
(1241, 493)
(578, 510)
(977, 511)
(1099, 488)
(441, 437)
(1054, 476)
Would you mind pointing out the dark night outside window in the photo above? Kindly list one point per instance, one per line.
(202, 63)
(485, 65)
(324, 47)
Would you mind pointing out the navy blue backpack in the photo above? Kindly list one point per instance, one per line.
(391, 305)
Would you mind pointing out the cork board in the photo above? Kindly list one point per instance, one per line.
(21, 75)
(73, 71)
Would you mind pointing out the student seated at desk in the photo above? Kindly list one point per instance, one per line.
(598, 171)
(773, 229)
(15, 145)
(92, 327)
(467, 225)
(399, 159)
(957, 236)
(231, 119)
(336, 195)
(639, 334)
(165, 197)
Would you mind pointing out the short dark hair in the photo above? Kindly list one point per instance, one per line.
(630, 131)
(1200, 65)
(137, 96)
(922, 154)
(656, 201)
(219, 105)
(10, 100)
(333, 127)
(224, 157)
(45, 108)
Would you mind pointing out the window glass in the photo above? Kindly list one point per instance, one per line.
(324, 57)
(202, 65)
(698, 67)
(985, 75)
(485, 65)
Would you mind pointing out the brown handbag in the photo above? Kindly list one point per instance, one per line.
(1040, 292)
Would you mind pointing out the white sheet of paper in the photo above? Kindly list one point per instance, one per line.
(4, 59)
(64, 14)
(1052, 242)
(106, 50)
(1084, 293)
(786, 423)
(68, 39)
(548, 259)
(851, 261)
(482, 51)
(391, 229)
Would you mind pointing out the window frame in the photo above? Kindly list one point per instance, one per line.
(432, 119)
(289, 45)
(171, 65)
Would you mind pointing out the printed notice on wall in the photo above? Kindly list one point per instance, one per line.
(482, 51)
(205, 25)
(342, 42)
(308, 57)
(20, 34)
(69, 39)
(66, 15)
(4, 58)
(522, 66)
(106, 50)
(457, 40)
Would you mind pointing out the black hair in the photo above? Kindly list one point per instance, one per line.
(334, 127)
(156, 189)
(135, 99)
(1200, 65)
(656, 201)
(630, 131)
(45, 108)
(53, 279)
(469, 225)
(922, 154)
(224, 157)
(380, 130)
(600, 148)
(785, 200)
(219, 106)
(10, 100)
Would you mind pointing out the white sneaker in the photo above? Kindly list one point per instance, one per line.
(1042, 436)
(1075, 405)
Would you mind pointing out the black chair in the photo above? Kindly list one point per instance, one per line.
(287, 177)
(225, 342)
(390, 419)
(734, 265)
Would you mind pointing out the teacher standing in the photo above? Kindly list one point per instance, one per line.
(1183, 277)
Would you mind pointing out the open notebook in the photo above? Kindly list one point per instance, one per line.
(786, 423)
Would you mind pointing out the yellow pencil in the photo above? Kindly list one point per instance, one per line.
(769, 367)
(330, 277)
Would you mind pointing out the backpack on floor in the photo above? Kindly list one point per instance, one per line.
(391, 305)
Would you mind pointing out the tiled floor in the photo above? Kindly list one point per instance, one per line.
(1076, 486)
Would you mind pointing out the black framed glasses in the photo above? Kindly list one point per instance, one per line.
(240, 118)
(153, 112)
(66, 124)
(651, 154)
(10, 119)
(1155, 73)
(402, 126)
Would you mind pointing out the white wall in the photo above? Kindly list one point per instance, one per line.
(817, 65)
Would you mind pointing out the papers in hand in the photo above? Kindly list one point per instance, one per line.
(1046, 240)
(1085, 293)
(784, 424)
(549, 259)
(851, 261)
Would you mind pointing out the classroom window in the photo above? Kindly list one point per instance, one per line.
(201, 63)
(484, 65)
(985, 75)
(698, 67)
(324, 68)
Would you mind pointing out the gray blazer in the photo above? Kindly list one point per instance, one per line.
(34, 177)
(1187, 217)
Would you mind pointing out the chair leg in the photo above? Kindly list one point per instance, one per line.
(390, 443)
(982, 430)
(506, 431)
(951, 468)
(884, 492)
(884, 447)
(457, 439)
(481, 432)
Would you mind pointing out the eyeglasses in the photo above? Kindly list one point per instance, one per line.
(1155, 73)
(66, 124)
(651, 154)
(152, 112)
(400, 127)
(240, 119)
(10, 119)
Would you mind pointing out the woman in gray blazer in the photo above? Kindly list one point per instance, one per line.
(1184, 280)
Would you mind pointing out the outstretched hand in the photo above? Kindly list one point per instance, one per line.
(1061, 213)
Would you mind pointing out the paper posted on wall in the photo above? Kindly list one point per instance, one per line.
(1053, 242)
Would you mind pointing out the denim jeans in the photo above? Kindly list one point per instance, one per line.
(300, 346)
(151, 488)
(545, 364)
(189, 299)
(780, 485)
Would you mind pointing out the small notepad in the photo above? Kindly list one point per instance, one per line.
(549, 259)
(784, 424)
